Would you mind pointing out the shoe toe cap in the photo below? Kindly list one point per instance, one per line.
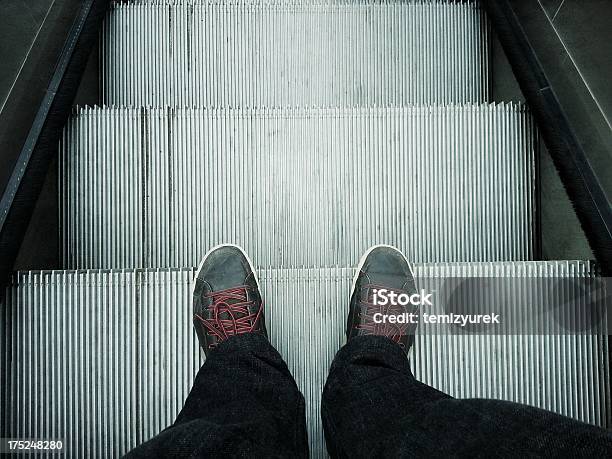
(225, 267)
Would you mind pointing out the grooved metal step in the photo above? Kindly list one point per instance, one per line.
(285, 53)
(105, 359)
(316, 187)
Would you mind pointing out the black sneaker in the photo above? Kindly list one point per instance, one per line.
(226, 298)
(381, 268)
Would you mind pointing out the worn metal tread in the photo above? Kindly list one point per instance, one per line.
(105, 358)
(154, 187)
(287, 53)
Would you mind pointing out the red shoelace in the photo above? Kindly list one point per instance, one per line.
(394, 332)
(230, 313)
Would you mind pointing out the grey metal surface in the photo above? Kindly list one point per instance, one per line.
(284, 53)
(571, 44)
(157, 187)
(105, 359)
(565, 115)
(32, 36)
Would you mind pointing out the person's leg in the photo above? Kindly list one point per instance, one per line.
(372, 405)
(244, 402)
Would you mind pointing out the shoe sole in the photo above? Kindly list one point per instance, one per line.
(365, 256)
(248, 259)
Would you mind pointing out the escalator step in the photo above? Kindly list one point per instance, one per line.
(280, 53)
(148, 188)
(105, 359)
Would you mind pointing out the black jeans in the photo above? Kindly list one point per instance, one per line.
(245, 403)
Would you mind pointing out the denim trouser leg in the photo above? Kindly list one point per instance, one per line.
(244, 402)
(373, 407)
